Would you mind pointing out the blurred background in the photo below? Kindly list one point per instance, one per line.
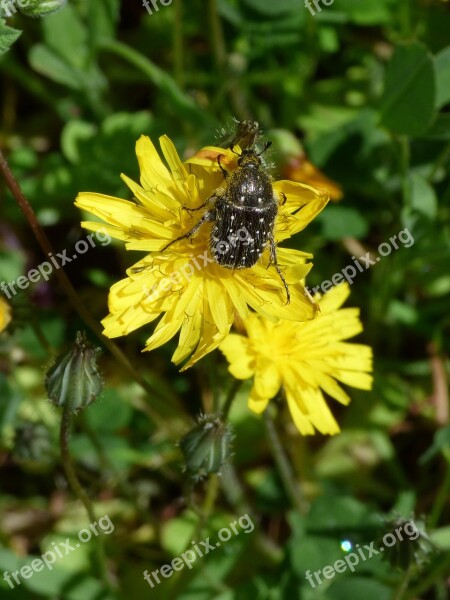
(355, 97)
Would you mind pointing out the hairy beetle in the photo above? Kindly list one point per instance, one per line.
(243, 211)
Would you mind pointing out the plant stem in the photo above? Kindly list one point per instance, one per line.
(405, 160)
(284, 467)
(106, 464)
(400, 591)
(203, 515)
(235, 495)
(237, 98)
(40, 335)
(440, 162)
(158, 77)
(441, 568)
(178, 52)
(230, 398)
(77, 488)
(76, 301)
(441, 497)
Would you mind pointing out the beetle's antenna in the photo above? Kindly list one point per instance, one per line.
(266, 147)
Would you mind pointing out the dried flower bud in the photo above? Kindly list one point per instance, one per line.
(74, 380)
(207, 447)
(41, 8)
(414, 547)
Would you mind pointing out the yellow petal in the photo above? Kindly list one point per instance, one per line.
(334, 298)
(257, 404)
(179, 173)
(210, 338)
(5, 314)
(220, 305)
(267, 378)
(317, 416)
(237, 351)
(153, 171)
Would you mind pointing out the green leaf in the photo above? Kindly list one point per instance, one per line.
(358, 587)
(41, 8)
(441, 537)
(369, 12)
(110, 413)
(441, 443)
(442, 64)
(60, 580)
(440, 129)
(270, 8)
(103, 17)
(8, 36)
(423, 196)
(9, 405)
(339, 222)
(408, 102)
(47, 62)
(67, 35)
(74, 132)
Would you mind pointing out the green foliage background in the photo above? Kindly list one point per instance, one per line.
(365, 86)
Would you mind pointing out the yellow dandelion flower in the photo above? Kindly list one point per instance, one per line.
(5, 314)
(305, 359)
(195, 296)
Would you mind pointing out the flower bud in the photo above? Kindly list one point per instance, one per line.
(40, 8)
(74, 379)
(207, 447)
(414, 547)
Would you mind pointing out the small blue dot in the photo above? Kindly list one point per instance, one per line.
(346, 545)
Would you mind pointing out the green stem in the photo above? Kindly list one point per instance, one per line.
(283, 464)
(441, 569)
(230, 398)
(178, 44)
(440, 162)
(402, 588)
(405, 161)
(235, 495)
(106, 464)
(233, 87)
(78, 305)
(77, 488)
(441, 498)
(180, 580)
(405, 13)
(159, 78)
(40, 334)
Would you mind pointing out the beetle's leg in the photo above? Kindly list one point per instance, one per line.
(273, 259)
(283, 195)
(207, 217)
(211, 200)
(224, 172)
(198, 207)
